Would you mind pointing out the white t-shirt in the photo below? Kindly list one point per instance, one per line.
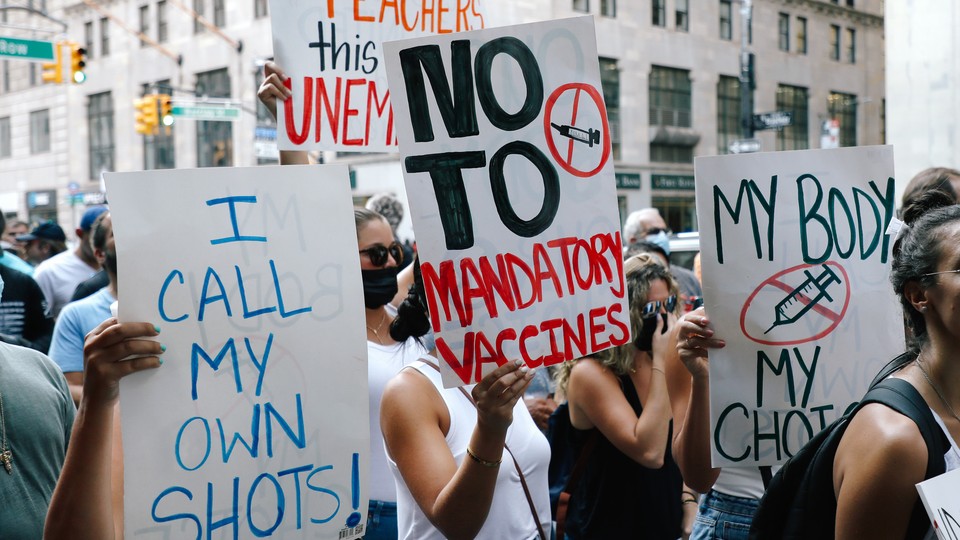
(383, 362)
(59, 276)
(509, 515)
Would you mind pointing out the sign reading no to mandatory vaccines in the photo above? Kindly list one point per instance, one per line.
(796, 264)
(256, 425)
(332, 52)
(506, 157)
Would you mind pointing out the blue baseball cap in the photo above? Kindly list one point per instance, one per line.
(90, 216)
(47, 230)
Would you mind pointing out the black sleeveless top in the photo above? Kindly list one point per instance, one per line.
(619, 498)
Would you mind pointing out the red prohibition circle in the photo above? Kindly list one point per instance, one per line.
(598, 100)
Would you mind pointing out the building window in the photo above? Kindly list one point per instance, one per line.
(5, 146)
(88, 38)
(40, 131)
(610, 82)
(683, 15)
(158, 150)
(198, 8)
(728, 112)
(162, 21)
(843, 108)
(214, 139)
(851, 45)
(219, 14)
(680, 213)
(795, 136)
(802, 35)
(608, 8)
(726, 20)
(100, 125)
(659, 14)
(581, 5)
(260, 8)
(104, 36)
(670, 105)
(834, 42)
(783, 31)
(144, 23)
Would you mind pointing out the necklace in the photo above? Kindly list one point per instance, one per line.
(374, 330)
(936, 389)
(6, 456)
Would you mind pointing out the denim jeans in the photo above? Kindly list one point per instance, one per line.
(723, 517)
(381, 521)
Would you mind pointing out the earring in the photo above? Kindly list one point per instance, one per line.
(922, 309)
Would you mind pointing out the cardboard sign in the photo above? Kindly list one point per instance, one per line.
(256, 425)
(941, 499)
(332, 52)
(796, 263)
(506, 158)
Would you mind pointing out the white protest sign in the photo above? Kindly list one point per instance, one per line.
(941, 498)
(506, 159)
(256, 424)
(332, 52)
(796, 265)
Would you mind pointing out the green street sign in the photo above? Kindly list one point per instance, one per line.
(206, 112)
(26, 49)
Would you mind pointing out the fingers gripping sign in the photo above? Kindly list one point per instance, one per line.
(106, 351)
(498, 393)
(694, 338)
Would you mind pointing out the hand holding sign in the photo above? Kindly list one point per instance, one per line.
(105, 352)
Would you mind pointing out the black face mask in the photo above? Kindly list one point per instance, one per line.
(644, 341)
(379, 286)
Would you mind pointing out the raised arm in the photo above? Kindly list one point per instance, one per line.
(691, 442)
(413, 417)
(596, 400)
(82, 507)
(272, 89)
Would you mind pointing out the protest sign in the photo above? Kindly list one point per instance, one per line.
(796, 263)
(513, 201)
(941, 499)
(332, 52)
(256, 425)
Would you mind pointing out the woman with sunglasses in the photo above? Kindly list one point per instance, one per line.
(630, 487)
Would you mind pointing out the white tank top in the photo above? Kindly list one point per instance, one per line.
(952, 457)
(509, 516)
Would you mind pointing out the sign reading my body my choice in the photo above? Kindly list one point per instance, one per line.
(331, 50)
(256, 425)
(506, 157)
(796, 264)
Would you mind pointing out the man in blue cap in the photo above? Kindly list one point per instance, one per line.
(59, 276)
(45, 241)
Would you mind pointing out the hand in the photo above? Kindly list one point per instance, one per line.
(498, 392)
(662, 340)
(541, 409)
(272, 87)
(694, 338)
(104, 350)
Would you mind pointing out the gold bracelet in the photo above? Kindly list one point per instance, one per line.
(485, 463)
(688, 492)
(685, 501)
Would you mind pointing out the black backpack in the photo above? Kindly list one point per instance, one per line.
(800, 502)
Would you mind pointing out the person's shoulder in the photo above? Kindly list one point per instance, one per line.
(12, 276)
(884, 436)
(28, 359)
(590, 370)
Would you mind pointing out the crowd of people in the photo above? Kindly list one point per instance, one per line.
(628, 451)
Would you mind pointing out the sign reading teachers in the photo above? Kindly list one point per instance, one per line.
(331, 50)
(796, 263)
(506, 157)
(256, 425)
(941, 499)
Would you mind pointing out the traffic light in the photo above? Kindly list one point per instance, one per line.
(53, 71)
(78, 61)
(166, 110)
(147, 114)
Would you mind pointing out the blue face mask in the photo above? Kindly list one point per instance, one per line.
(660, 239)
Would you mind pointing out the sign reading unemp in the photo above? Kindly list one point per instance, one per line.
(331, 50)
(796, 263)
(256, 425)
(506, 156)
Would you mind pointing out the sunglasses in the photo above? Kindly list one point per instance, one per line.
(652, 308)
(378, 253)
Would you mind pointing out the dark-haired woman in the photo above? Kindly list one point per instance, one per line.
(450, 451)
(630, 488)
